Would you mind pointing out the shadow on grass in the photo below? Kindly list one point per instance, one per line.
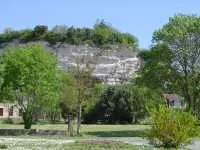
(128, 133)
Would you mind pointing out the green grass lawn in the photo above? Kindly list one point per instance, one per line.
(93, 130)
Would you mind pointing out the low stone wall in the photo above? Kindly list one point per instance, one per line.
(51, 132)
(15, 132)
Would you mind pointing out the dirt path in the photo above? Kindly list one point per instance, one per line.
(195, 145)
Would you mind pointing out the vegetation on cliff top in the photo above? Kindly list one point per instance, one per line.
(101, 35)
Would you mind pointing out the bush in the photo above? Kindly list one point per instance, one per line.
(3, 146)
(7, 121)
(172, 127)
(122, 104)
(40, 29)
(26, 36)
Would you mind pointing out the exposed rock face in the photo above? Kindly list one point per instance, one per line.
(111, 66)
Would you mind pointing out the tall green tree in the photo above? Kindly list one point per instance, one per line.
(29, 78)
(68, 102)
(156, 71)
(84, 81)
(177, 61)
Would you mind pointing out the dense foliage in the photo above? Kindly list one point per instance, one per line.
(68, 103)
(156, 72)
(122, 104)
(172, 127)
(173, 63)
(29, 77)
(101, 35)
(69, 95)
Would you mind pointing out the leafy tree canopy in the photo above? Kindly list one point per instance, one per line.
(29, 77)
(173, 63)
(123, 103)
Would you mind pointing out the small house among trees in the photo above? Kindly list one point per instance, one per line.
(174, 100)
(8, 110)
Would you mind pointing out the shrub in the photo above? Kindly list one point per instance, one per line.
(40, 29)
(122, 104)
(26, 35)
(7, 121)
(172, 127)
(3, 146)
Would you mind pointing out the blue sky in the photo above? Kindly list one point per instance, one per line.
(138, 17)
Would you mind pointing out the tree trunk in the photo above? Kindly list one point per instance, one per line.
(189, 100)
(27, 118)
(70, 127)
(79, 119)
(53, 117)
(134, 118)
(187, 93)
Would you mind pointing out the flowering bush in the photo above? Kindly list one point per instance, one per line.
(172, 127)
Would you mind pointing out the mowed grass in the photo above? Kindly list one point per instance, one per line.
(115, 130)
(93, 130)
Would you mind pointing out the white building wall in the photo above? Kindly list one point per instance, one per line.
(6, 107)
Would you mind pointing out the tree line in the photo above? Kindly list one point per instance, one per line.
(101, 35)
